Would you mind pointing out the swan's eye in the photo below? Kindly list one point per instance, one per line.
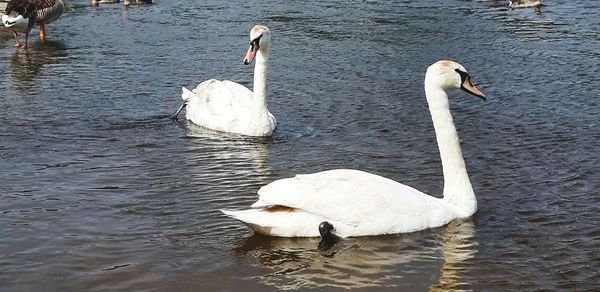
(255, 41)
(463, 75)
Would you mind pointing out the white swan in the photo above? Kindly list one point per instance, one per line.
(358, 203)
(230, 107)
(524, 3)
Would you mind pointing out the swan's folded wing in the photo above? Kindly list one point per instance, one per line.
(348, 196)
(224, 97)
(238, 89)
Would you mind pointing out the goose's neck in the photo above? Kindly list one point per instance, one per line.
(260, 79)
(458, 192)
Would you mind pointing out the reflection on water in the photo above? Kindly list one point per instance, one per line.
(226, 148)
(459, 246)
(101, 191)
(364, 261)
(26, 64)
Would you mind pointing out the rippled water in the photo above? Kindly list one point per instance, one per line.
(100, 190)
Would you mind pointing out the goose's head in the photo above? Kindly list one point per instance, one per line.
(260, 37)
(448, 75)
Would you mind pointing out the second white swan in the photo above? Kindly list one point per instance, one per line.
(230, 107)
(357, 203)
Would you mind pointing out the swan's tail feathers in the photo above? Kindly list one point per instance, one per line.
(253, 218)
(245, 216)
(186, 93)
(278, 221)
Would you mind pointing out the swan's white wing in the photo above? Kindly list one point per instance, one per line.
(219, 105)
(238, 89)
(223, 97)
(370, 203)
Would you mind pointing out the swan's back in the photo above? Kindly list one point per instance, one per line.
(367, 203)
(220, 105)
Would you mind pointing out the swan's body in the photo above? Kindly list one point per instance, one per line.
(358, 203)
(524, 3)
(96, 2)
(129, 2)
(125, 2)
(20, 16)
(227, 106)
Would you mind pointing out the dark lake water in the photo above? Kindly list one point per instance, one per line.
(100, 190)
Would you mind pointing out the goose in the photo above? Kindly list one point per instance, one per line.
(524, 3)
(357, 203)
(20, 16)
(227, 106)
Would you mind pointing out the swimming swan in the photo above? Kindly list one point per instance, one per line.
(524, 3)
(357, 203)
(230, 107)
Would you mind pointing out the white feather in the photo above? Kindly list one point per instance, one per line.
(227, 106)
(359, 203)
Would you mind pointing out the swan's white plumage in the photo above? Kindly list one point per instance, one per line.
(355, 202)
(359, 203)
(219, 105)
(524, 3)
(227, 106)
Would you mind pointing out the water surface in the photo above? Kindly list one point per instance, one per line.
(100, 190)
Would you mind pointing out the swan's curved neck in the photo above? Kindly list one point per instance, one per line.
(260, 79)
(458, 192)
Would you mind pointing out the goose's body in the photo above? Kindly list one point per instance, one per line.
(524, 3)
(21, 15)
(227, 106)
(48, 10)
(358, 203)
(18, 22)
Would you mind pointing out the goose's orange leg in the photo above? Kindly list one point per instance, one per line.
(42, 32)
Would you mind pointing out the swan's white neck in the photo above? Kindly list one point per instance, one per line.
(260, 79)
(458, 192)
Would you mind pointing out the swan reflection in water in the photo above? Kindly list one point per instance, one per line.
(233, 155)
(367, 262)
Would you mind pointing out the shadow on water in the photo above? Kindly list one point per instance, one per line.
(365, 262)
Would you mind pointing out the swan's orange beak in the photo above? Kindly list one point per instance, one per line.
(251, 53)
(470, 88)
